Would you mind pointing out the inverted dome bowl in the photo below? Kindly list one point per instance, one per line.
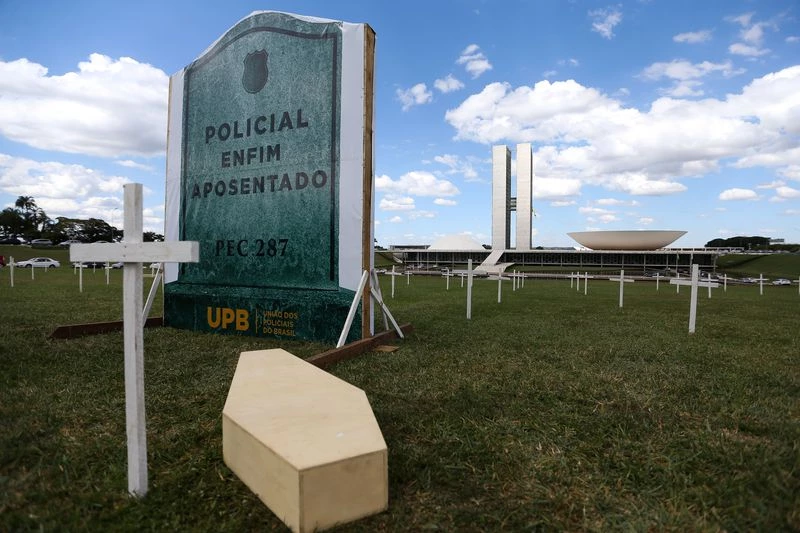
(626, 240)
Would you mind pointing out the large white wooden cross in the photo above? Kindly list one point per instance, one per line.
(622, 280)
(133, 252)
(694, 282)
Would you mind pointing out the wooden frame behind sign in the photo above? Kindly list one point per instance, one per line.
(367, 247)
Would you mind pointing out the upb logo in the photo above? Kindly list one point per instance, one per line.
(254, 77)
(225, 316)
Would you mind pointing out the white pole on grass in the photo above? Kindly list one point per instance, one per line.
(469, 289)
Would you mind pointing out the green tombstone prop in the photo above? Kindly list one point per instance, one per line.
(269, 168)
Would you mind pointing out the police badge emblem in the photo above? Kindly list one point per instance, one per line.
(254, 77)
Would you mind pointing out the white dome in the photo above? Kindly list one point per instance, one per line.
(626, 240)
(456, 242)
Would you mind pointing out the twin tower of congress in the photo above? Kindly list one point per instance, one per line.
(503, 203)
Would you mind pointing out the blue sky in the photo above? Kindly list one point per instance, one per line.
(658, 114)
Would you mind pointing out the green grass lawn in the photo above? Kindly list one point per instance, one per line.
(553, 410)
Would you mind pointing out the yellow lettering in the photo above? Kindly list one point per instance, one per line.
(212, 322)
(242, 320)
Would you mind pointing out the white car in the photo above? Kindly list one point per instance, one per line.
(781, 281)
(38, 262)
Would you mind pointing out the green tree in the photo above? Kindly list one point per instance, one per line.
(11, 222)
(36, 220)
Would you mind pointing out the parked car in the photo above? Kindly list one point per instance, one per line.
(38, 262)
(781, 281)
(10, 240)
(93, 264)
(69, 242)
(41, 242)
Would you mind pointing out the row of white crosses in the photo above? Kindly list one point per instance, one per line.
(132, 252)
(573, 277)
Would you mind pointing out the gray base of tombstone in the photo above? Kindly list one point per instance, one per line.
(315, 315)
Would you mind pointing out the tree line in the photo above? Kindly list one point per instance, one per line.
(29, 221)
(751, 243)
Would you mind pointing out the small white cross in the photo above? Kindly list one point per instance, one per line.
(468, 273)
(761, 280)
(622, 280)
(694, 282)
(393, 274)
(447, 274)
(133, 252)
(586, 278)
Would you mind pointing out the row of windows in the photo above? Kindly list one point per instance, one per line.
(655, 260)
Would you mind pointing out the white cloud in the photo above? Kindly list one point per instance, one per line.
(127, 163)
(646, 221)
(562, 203)
(752, 35)
(793, 39)
(610, 201)
(747, 50)
(474, 61)
(549, 188)
(604, 20)
(684, 88)
(686, 75)
(791, 172)
(416, 183)
(640, 185)
(771, 185)
(396, 203)
(743, 19)
(680, 69)
(443, 201)
(738, 194)
(459, 166)
(583, 132)
(448, 84)
(416, 95)
(787, 193)
(421, 214)
(106, 108)
(396, 219)
(73, 191)
(594, 211)
(693, 37)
